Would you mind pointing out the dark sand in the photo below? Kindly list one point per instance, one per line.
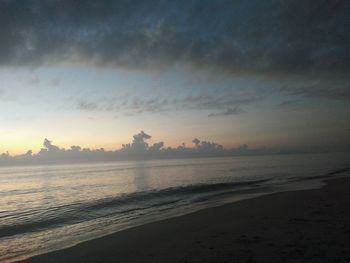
(299, 226)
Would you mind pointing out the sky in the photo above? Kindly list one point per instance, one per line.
(271, 74)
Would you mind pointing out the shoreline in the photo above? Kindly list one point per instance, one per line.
(298, 225)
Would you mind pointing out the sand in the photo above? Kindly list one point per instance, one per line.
(298, 226)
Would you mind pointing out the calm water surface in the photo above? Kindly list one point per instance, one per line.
(44, 208)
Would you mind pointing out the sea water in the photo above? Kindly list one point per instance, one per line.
(50, 207)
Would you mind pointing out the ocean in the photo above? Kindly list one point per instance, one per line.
(45, 208)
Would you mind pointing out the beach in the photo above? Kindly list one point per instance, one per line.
(297, 226)
(174, 131)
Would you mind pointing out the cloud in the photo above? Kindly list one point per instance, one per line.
(137, 149)
(334, 89)
(138, 144)
(196, 141)
(204, 146)
(87, 106)
(226, 103)
(34, 81)
(288, 103)
(55, 82)
(50, 147)
(141, 137)
(232, 36)
(219, 101)
(230, 111)
(156, 147)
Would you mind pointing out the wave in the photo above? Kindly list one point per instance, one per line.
(119, 205)
(337, 172)
(178, 191)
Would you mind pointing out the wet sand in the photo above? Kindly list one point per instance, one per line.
(298, 226)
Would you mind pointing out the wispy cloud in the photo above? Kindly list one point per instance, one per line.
(55, 82)
(34, 80)
(132, 105)
(230, 111)
(335, 90)
(84, 105)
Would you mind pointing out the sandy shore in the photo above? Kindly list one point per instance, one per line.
(300, 226)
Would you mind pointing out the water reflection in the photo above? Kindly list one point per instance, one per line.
(141, 175)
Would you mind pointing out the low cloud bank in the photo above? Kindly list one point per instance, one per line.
(138, 149)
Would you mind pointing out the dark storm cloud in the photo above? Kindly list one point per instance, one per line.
(232, 36)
